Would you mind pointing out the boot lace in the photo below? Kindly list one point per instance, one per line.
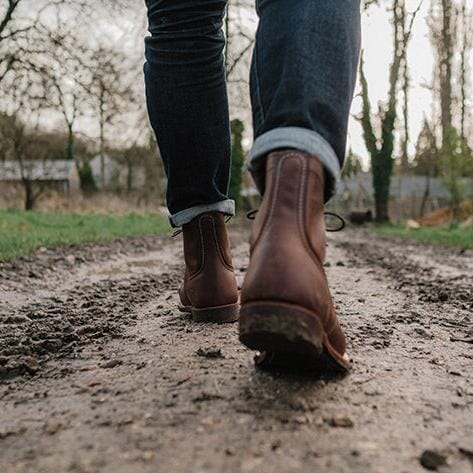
(251, 215)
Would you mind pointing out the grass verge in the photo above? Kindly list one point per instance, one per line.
(455, 236)
(21, 233)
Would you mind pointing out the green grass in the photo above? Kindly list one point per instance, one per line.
(21, 233)
(455, 236)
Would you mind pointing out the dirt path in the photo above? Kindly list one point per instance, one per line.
(100, 373)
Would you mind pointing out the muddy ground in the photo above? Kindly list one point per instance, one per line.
(100, 373)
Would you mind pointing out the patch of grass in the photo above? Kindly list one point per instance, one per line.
(21, 233)
(454, 236)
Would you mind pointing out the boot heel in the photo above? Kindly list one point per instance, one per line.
(289, 334)
(222, 314)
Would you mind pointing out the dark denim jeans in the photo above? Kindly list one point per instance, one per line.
(302, 80)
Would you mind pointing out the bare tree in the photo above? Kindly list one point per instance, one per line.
(109, 93)
(64, 73)
(380, 145)
(466, 41)
(443, 32)
(18, 140)
(240, 38)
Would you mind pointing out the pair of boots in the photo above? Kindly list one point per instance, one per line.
(286, 310)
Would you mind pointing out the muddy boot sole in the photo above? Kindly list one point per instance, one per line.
(218, 315)
(289, 337)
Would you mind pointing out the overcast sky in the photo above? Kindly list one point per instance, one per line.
(377, 45)
(376, 42)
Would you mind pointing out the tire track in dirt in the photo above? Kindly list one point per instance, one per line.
(166, 394)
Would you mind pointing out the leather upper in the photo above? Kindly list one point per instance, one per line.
(288, 241)
(209, 280)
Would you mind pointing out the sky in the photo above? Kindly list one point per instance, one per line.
(377, 46)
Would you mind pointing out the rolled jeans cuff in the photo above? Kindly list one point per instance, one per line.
(226, 207)
(298, 138)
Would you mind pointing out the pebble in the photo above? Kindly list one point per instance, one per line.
(111, 363)
(431, 460)
(53, 427)
(210, 352)
(341, 421)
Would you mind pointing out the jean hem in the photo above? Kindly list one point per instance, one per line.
(302, 139)
(226, 207)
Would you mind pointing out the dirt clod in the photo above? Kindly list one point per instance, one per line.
(211, 352)
(111, 363)
(432, 460)
(340, 421)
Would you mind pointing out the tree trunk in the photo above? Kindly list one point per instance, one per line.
(70, 143)
(467, 40)
(425, 197)
(29, 194)
(382, 210)
(446, 53)
(382, 169)
(102, 138)
(227, 37)
(129, 176)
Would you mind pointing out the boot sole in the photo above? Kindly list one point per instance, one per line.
(219, 315)
(290, 337)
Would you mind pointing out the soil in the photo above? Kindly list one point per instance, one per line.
(99, 371)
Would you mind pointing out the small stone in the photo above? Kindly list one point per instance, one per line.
(70, 259)
(148, 456)
(53, 427)
(30, 364)
(111, 363)
(94, 382)
(276, 445)
(340, 263)
(210, 352)
(431, 460)
(208, 420)
(341, 421)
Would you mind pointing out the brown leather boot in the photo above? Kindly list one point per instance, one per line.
(209, 290)
(287, 310)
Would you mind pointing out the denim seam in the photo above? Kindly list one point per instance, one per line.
(258, 88)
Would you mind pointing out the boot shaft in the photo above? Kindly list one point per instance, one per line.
(209, 279)
(293, 203)
(206, 243)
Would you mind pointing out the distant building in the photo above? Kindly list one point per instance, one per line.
(408, 195)
(112, 171)
(116, 174)
(57, 175)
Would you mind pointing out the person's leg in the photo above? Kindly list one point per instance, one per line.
(302, 81)
(187, 104)
(188, 109)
